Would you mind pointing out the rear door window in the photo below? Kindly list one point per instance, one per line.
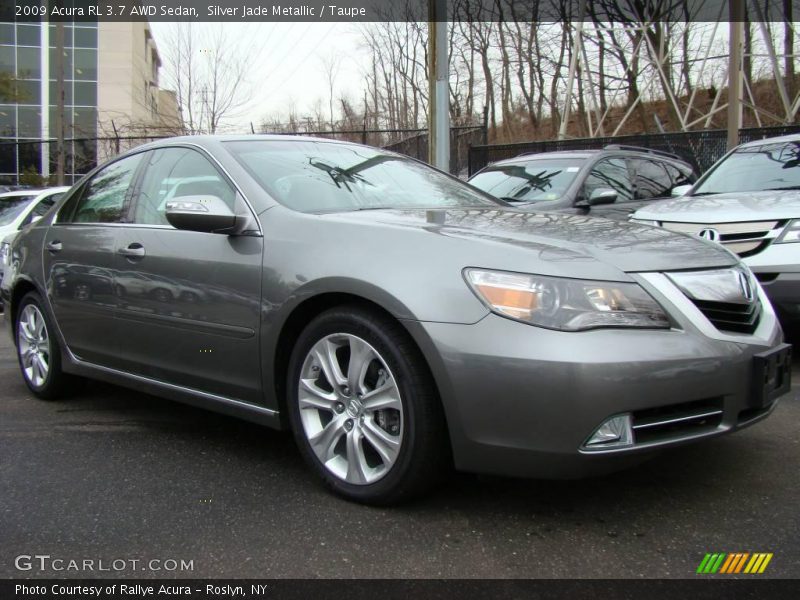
(610, 173)
(652, 178)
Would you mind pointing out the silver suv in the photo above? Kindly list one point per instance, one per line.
(749, 202)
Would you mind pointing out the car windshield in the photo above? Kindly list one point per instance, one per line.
(312, 176)
(540, 180)
(12, 206)
(754, 169)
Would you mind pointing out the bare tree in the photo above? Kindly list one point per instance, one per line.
(208, 70)
(331, 64)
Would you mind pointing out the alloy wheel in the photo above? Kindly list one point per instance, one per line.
(33, 345)
(350, 408)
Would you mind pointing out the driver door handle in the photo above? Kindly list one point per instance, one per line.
(54, 247)
(133, 251)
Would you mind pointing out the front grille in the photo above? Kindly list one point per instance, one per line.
(727, 316)
(745, 239)
(676, 420)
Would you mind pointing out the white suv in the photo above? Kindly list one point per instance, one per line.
(749, 201)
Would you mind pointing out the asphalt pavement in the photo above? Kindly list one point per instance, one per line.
(115, 475)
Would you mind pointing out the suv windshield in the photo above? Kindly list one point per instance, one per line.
(535, 181)
(754, 169)
(12, 206)
(312, 176)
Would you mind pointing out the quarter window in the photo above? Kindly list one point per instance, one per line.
(175, 173)
(103, 198)
(610, 173)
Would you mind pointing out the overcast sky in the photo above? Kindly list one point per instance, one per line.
(287, 64)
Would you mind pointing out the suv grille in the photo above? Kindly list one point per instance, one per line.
(725, 316)
(743, 238)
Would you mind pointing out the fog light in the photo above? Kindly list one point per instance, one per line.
(613, 433)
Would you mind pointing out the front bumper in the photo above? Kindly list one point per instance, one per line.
(522, 400)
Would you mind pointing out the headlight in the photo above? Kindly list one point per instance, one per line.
(791, 233)
(566, 304)
(5, 253)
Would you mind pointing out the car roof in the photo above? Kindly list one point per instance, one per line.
(35, 191)
(210, 140)
(18, 193)
(521, 158)
(584, 154)
(795, 137)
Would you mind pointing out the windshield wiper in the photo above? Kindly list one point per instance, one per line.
(512, 199)
(787, 187)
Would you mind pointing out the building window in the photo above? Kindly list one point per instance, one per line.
(86, 64)
(29, 63)
(85, 37)
(7, 34)
(8, 161)
(29, 35)
(67, 93)
(30, 122)
(67, 36)
(8, 121)
(67, 64)
(7, 63)
(85, 93)
(29, 92)
(85, 122)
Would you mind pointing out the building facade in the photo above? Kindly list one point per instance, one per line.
(111, 89)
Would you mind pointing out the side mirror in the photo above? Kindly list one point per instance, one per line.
(207, 214)
(680, 190)
(599, 196)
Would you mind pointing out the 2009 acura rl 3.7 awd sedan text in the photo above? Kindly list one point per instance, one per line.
(398, 320)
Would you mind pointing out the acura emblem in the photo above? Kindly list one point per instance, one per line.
(712, 235)
(747, 288)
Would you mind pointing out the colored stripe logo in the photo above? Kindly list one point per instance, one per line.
(734, 562)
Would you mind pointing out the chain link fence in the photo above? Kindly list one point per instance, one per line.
(701, 149)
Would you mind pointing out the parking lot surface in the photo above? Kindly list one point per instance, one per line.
(113, 474)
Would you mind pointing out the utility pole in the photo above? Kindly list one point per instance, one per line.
(438, 86)
(60, 129)
(577, 40)
(736, 12)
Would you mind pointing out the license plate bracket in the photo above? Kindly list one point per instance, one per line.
(772, 375)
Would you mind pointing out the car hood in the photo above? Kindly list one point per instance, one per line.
(725, 208)
(556, 238)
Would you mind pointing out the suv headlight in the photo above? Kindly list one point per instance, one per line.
(645, 222)
(566, 304)
(791, 233)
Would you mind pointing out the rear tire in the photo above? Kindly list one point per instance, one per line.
(39, 352)
(376, 433)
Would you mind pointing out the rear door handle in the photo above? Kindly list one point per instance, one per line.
(133, 251)
(54, 247)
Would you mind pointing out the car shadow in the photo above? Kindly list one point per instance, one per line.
(698, 474)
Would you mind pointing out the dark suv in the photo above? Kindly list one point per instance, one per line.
(613, 182)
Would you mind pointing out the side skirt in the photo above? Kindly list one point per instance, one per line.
(213, 402)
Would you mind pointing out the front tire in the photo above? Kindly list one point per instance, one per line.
(38, 350)
(363, 408)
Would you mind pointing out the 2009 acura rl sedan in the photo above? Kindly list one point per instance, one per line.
(397, 320)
